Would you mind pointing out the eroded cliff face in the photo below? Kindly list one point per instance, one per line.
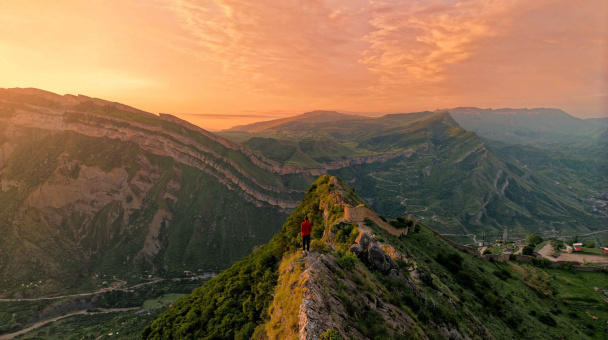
(84, 191)
(96, 184)
(181, 146)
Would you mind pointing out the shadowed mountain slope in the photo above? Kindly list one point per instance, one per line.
(94, 187)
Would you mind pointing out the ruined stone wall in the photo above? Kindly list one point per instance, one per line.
(359, 214)
(591, 269)
(497, 258)
(554, 264)
(523, 258)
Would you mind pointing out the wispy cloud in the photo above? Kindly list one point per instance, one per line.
(413, 42)
(336, 48)
(252, 57)
(276, 46)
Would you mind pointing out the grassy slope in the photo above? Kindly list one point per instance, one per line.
(211, 228)
(446, 193)
(236, 302)
(304, 153)
(456, 291)
(566, 149)
(511, 308)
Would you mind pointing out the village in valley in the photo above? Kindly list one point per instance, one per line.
(578, 251)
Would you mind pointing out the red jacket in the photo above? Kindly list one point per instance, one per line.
(305, 228)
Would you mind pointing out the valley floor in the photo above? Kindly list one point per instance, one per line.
(42, 323)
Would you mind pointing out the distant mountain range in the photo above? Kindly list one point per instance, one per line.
(603, 121)
(93, 187)
(527, 126)
(460, 182)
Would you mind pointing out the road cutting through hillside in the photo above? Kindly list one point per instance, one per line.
(139, 285)
(42, 323)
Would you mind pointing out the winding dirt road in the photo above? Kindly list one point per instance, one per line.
(42, 323)
(103, 290)
(84, 294)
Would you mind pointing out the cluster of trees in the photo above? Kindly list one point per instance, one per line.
(532, 239)
(588, 243)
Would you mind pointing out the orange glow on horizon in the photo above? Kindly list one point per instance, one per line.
(219, 63)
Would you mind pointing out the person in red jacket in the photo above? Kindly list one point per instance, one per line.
(305, 228)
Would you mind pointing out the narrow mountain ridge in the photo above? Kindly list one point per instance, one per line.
(359, 281)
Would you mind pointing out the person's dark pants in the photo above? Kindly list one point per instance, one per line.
(305, 242)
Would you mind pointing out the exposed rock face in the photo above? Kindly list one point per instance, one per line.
(152, 244)
(318, 303)
(357, 249)
(89, 185)
(320, 310)
(378, 259)
(88, 193)
(364, 240)
(367, 249)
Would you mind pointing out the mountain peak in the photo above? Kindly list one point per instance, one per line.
(69, 100)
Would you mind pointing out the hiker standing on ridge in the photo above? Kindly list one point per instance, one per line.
(305, 228)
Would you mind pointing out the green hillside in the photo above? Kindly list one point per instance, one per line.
(571, 152)
(308, 152)
(446, 175)
(550, 141)
(240, 296)
(432, 291)
(92, 188)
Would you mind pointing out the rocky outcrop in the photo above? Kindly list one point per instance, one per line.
(318, 303)
(368, 250)
(364, 240)
(322, 307)
(379, 260)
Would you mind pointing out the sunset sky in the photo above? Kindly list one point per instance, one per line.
(220, 63)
